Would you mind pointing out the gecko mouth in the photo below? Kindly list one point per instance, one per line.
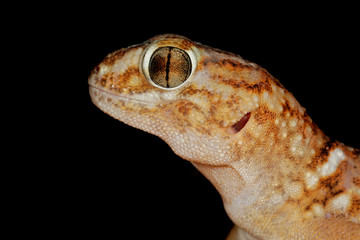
(240, 124)
(97, 90)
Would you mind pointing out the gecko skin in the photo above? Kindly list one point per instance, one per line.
(279, 175)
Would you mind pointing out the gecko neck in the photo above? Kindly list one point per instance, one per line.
(278, 173)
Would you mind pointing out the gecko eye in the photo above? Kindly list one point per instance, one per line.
(169, 62)
(169, 67)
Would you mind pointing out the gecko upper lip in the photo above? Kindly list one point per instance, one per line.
(114, 95)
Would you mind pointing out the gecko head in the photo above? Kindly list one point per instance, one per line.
(196, 98)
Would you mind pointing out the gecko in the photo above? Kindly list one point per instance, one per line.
(279, 175)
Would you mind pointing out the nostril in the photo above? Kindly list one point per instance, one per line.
(95, 70)
(241, 123)
(93, 77)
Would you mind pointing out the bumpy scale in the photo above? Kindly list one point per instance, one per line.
(279, 175)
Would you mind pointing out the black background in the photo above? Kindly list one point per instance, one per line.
(101, 178)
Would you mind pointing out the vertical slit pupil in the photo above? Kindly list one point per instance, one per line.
(169, 67)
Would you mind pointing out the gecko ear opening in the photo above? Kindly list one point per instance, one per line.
(240, 124)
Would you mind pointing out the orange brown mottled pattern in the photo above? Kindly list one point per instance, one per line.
(279, 175)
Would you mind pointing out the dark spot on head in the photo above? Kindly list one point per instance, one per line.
(184, 109)
(356, 181)
(322, 156)
(355, 206)
(264, 115)
(232, 63)
(307, 208)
